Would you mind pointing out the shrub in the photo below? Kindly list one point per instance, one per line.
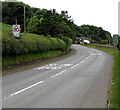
(61, 44)
(54, 43)
(31, 43)
(68, 42)
(104, 42)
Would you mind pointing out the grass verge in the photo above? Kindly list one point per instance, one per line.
(12, 60)
(114, 97)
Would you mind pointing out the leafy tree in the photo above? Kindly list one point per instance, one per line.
(15, 10)
(49, 22)
(33, 25)
(95, 34)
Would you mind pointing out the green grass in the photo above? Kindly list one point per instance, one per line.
(114, 97)
(12, 60)
(6, 27)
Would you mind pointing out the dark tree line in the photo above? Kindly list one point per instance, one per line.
(95, 34)
(50, 23)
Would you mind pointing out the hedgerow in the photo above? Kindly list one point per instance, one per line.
(31, 43)
(68, 42)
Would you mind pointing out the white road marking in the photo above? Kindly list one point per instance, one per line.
(74, 66)
(87, 58)
(67, 65)
(18, 92)
(57, 74)
(54, 66)
(96, 54)
(5, 97)
(82, 61)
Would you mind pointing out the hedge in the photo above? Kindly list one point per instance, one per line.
(68, 42)
(31, 43)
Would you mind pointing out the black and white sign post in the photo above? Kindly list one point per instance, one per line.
(16, 30)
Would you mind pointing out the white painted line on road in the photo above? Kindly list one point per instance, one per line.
(87, 58)
(82, 61)
(57, 74)
(18, 92)
(54, 75)
(53, 66)
(74, 66)
(27, 88)
(96, 54)
(5, 97)
(100, 54)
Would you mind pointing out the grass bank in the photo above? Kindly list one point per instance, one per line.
(13, 60)
(114, 97)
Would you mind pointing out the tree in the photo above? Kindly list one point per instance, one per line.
(49, 22)
(95, 34)
(33, 25)
(15, 10)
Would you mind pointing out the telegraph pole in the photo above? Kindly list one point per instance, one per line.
(16, 20)
(24, 21)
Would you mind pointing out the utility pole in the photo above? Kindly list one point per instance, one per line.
(16, 20)
(24, 21)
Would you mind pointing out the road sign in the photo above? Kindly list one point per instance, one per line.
(115, 39)
(16, 30)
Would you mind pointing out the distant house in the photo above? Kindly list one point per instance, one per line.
(84, 40)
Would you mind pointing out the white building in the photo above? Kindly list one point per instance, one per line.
(86, 41)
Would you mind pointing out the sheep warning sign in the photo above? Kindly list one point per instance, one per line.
(16, 30)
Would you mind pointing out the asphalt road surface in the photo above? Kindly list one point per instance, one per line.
(78, 81)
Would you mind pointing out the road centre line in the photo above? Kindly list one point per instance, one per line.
(82, 61)
(22, 90)
(57, 74)
(74, 66)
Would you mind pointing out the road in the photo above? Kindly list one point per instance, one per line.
(78, 81)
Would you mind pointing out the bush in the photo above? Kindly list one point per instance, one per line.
(104, 42)
(68, 42)
(31, 43)
(61, 44)
(54, 44)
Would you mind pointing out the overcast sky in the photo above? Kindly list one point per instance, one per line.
(101, 13)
